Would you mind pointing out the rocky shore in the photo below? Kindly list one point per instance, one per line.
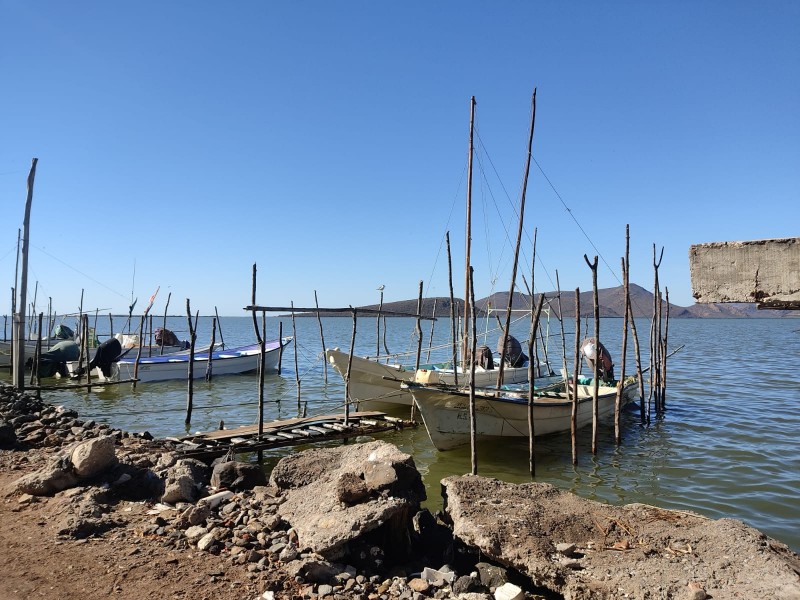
(88, 511)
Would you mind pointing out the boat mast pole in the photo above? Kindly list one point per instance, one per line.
(465, 345)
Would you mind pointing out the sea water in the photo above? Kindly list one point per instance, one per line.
(727, 445)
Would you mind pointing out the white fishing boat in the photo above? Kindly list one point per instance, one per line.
(445, 411)
(232, 361)
(377, 386)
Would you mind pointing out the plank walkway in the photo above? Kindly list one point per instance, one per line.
(287, 432)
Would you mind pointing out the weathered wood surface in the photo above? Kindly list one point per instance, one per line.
(766, 272)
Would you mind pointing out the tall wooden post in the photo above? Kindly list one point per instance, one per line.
(164, 323)
(209, 367)
(473, 425)
(595, 382)
(535, 313)
(261, 359)
(19, 320)
(321, 337)
(190, 385)
(453, 312)
(296, 365)
(577, 368)
(349, 367)
(516, 247)
(418, 334)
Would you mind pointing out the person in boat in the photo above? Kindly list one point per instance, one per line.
(165, 337)
(107, 354)
(55, 360)
(514, 356)
(593, 351)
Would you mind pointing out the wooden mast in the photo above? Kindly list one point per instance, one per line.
(465, 345)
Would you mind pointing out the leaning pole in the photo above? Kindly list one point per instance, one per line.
(19, 317)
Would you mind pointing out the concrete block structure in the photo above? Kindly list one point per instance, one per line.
(766, 272)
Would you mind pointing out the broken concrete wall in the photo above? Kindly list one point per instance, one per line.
(762, 271)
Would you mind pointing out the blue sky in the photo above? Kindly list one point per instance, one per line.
(181, 142)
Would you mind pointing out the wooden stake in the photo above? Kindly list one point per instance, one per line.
(473, 433)
(433, 324)
(19, 321)
(535, 314)
(190, 386)
(219, 326)
(209, 368)
(349, 367)
(139, 354)
(453, 312)
(378, 328)
(261, 360)
(296, 366)
(322, 339)
(164, 324)
(418, 334)
(516, 247)
(577, 367)
(621, 381)
(596, 381)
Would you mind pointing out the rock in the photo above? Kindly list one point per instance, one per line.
(432, 575)
(419, 585)
(313, 507)
(491, 576)
(324, 590)
(237, 476)
(565, 549)
(466, 584)
(93, 457)
(509, 591)
(351, 489)
(8, 437)
(183, 480)
(645, 548)
(207, 542)
(57, 475)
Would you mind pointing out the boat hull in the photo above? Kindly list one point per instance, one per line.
(234, 361)
(446, 414)
(377, 386)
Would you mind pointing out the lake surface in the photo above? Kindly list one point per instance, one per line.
(727, 445)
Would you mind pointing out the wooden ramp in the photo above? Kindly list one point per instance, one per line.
(287, 432)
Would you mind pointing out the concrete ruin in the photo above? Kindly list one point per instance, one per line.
(766, 272)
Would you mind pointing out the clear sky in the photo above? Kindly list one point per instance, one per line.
(180, 142)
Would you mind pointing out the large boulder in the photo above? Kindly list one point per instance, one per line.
(184, 480)
(336, 495)
(92, 457)
(237, 476)
(581, 548)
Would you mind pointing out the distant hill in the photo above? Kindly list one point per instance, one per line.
(610, 303)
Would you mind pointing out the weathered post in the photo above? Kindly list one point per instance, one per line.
(577, 368)
(378, 326)
(139, 355)
(453, 312)
(595, 382)
(418, 334)
(473, 426)
(209, 368)
(219, 327)
(296, 365)
(164, 323)
(349, 367)
(535, 313)
(190, 385)
(261, 359)
(621, 381)
(433, 324)
(321, 337)
(19, 321)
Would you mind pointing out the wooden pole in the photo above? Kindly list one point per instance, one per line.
(37, 356)
(664, 356)
(621, 381)
(535, 313)
(349, 367)
(139, 357)
(19, 323)
(467, 272)
(473, 431)
(378, 327)
(85, 338)
(563, 337)
(110, 325)
(577, 367)
(516, 247)
(261, 359)
(209, 368)
(190, 385)
(280, 341)
(219, 327)
(433, 325)
(164, 323)
(322, 339)
(596, 381)
(453, 312)
(296, 366)
(418, 334)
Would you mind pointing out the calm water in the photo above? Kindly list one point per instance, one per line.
(726, 447)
